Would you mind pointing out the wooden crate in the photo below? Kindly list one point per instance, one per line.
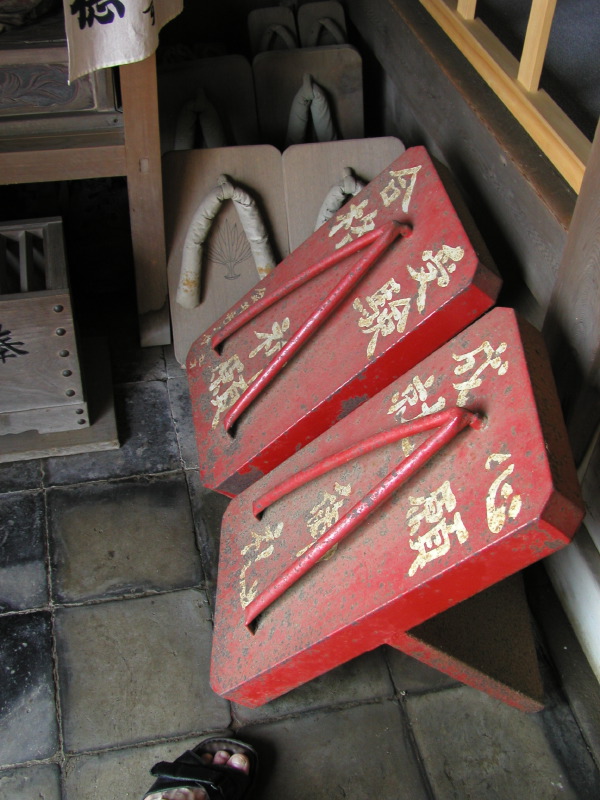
(42, 388)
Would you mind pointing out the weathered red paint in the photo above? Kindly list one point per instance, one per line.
(491, 502)
(449, 422)
(408, 302)
(388, 233)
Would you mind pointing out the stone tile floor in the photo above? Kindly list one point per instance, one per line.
(108, 564)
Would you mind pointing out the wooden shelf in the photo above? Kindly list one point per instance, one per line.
(35, 159)
(39, 150)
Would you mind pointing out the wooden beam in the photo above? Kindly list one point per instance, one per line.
(37, 159)
(521, 204)
(467, 8)
(554, 133)
(536, 43)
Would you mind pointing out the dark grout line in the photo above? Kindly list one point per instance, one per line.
(402, 696)
(54, 606)
(55, 759)
(98, 601)
(116, 479)
(55, 673)
(414, 746)
(175, 428)
(36, 490)
(198, 734)
(342, 705)
(20, 612)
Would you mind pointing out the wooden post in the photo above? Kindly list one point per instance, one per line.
(144, 184)
(572, 324)
(549, 127)
(572, 332)
(467, 8)
(536, 42)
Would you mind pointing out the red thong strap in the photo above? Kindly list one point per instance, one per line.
(377, 241)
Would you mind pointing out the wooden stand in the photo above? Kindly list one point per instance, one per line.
(188, 177)
(310, 170)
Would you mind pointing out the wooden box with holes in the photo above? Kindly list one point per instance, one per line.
(39, 366)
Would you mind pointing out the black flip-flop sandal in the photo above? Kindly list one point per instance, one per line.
(220, 782)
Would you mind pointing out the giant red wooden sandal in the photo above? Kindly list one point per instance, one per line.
(450, 480)
(392, 276)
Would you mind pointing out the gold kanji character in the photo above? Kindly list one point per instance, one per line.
(228, 374)
(399, 185)
(273, 340)
(247, 595)
(355, 221)
(433, 509)
(272, 532)
(416, 392)
(386, 314)
(492, 359)
(496, 515)
(437, 268)
(325, 514)
(197, 361)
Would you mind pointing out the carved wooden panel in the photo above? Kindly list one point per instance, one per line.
(42, 88)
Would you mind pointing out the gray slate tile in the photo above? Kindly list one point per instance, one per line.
(181, 407)
(124, 537)
(133, 364)
(16, 476)
(354, 753)
(37, 782)
(569, 664)
(147, 435)
(119, 774)
(566, 740)
(174, 368)
(132, 671)
(360, 680)
(476, 747)
(23, 582)
(27, 707)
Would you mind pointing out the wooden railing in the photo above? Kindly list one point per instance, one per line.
(516, 83)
